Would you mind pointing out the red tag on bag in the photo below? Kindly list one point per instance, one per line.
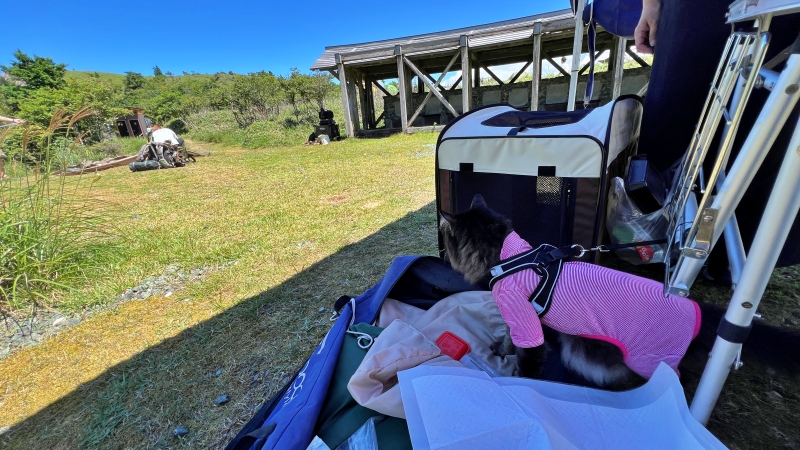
(452, 345)
(645, 252)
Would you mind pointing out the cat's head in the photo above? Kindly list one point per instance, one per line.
(473, 239)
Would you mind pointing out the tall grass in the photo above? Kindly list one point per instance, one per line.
(51, 231)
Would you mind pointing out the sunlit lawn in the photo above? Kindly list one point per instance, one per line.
(129, 376)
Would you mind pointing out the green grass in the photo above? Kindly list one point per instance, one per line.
(303, 225)
(52, 230)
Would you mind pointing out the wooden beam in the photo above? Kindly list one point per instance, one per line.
(537, 65)
(430, 86)
(455, 85)
(382, 89)
(555, 64)
(466, 82)
(435, 87)
(636, 58)
(379, 119)
(401, 86)
(445, 44)
(348, 119)
(596, 55)
(619, 65)
(335, 73)
(521, 71)
(491, 74)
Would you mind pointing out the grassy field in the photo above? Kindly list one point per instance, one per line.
(280, 233)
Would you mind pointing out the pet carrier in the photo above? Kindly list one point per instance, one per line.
(547, 171)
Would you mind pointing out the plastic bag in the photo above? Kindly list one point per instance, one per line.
(626, 224)
(364, 438)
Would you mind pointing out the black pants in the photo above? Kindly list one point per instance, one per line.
(690, 42)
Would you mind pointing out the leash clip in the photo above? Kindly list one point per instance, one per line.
(582, 251)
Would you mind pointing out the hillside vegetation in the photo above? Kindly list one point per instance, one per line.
(252, 110)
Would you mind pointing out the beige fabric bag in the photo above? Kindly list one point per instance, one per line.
(408, 340)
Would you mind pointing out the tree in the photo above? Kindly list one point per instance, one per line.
(157, 72)
(133, 81)
(29, 74)
(320, 86)
(254, 97)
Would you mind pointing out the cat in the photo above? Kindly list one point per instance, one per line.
(473, 241)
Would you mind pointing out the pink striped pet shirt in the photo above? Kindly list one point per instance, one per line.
(591, 301)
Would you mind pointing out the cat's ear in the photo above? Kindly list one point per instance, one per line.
(446, 218)
(478, 201)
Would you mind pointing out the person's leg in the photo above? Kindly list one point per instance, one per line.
(691, 38)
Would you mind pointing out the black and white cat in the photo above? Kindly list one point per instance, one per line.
(473, 241)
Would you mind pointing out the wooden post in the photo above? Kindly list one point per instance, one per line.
(362, 96)
(401, 86)
(619, 65)
(466, 79)
(352, 93)
(537, 65)
(348, 118)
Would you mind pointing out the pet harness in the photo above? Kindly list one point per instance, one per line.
(590, 301)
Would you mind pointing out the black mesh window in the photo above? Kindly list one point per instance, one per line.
(535, 119)
(541, 208)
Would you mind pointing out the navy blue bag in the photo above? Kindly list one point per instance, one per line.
(287, 421)
(618, 17)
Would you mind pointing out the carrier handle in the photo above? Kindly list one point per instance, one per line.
(515, 130)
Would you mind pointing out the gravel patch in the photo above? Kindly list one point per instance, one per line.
(28, 328)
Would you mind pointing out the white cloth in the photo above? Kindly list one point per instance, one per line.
(163, 135)
(449, 408)
(408, 340)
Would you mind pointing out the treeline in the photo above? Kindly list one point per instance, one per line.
(33, 88)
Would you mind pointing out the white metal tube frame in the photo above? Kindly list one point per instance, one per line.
(781, 210)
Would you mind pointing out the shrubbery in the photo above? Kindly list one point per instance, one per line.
(50, 229)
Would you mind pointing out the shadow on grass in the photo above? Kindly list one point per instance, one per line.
(246, 352)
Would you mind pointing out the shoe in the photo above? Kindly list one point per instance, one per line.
(723, 279)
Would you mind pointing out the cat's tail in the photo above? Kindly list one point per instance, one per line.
(766, 346)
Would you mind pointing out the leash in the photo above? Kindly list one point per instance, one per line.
(547, 261)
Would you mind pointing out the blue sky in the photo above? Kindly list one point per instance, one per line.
(238, 35)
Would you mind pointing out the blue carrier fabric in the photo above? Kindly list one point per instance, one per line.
(287, 421)
(547, 171)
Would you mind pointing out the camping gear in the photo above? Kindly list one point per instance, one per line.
(450, 408)
(727, 183)
(140, 166)
(166, 155)
(546, 171)
(327, 126)
(287, 421)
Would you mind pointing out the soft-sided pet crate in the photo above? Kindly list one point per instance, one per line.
(547, 171)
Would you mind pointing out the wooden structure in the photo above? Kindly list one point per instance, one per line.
(527, 40)
(132, 125)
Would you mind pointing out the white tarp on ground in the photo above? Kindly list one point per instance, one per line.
(454, 408)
